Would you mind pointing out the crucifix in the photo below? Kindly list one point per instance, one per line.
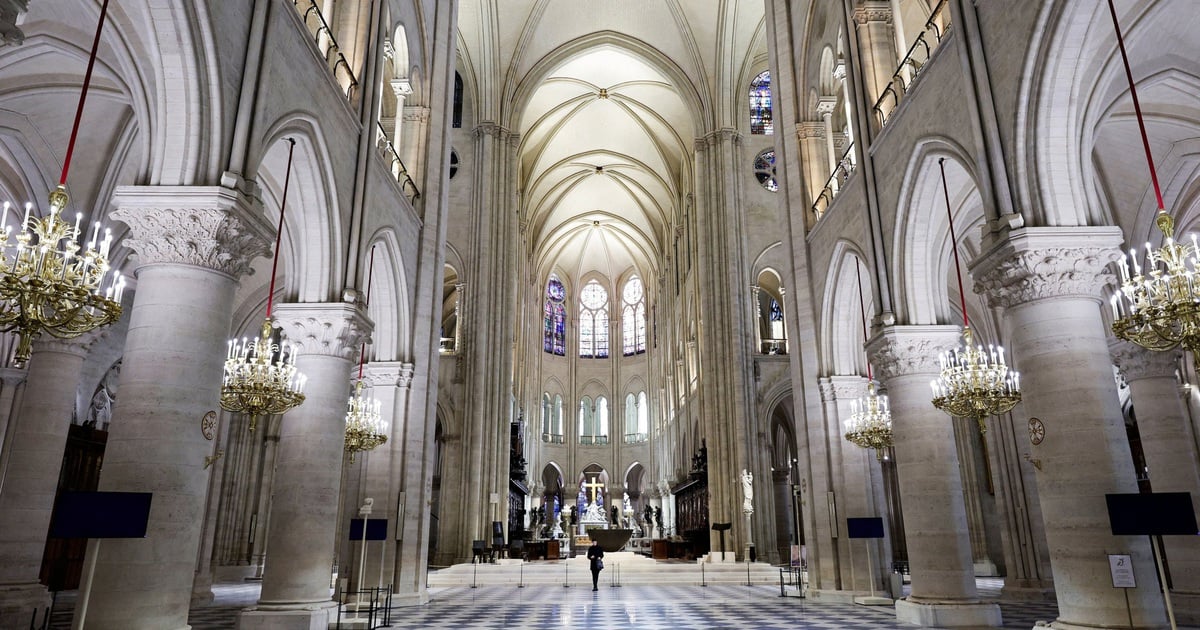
(593, 486)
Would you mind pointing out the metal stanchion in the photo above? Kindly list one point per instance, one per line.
(474, 576)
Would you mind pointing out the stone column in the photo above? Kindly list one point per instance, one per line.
(10, 382)
(935, 520)
(966, 436)
(401, 87)
(1048, 281)
(825, 107)
(192, 243)
(855, 491)
(1167, 442)
(304, 506)
(39, 437)
(873, 20)
(811, 138)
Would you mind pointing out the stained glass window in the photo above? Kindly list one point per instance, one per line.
(593, 321)
(554, 318)
(764, 170)
(633, 318)
(456, 114)
(760, 105)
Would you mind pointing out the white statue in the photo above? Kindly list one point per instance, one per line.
(747, 491)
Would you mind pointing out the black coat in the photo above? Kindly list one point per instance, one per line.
(596, 555)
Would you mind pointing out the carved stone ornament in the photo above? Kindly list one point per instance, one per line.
(207, 226)
(1037, 432)
(1136, 362)
(911, 350)
(848, 387)
(208, 425)
(873, 12)
(333, 329)
(1039, 263)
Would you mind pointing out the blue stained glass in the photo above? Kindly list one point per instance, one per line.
(761, 122)
(554, 319)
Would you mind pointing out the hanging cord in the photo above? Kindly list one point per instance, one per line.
(862, 308)
(1137, 107)
(954, 244)
(87, 82)
(279, 231)
(362, 352)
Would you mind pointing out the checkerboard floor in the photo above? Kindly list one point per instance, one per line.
(673, 607)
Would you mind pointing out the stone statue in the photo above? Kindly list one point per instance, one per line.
(747, 491)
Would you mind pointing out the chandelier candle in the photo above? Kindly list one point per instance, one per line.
(870, 421)
(365, 427)
(261, 377)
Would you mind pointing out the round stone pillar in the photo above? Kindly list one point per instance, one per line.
(304, 505)
(931, 495)
(39, 436)
(1049, 281)
(192, 244)
(1167, 442)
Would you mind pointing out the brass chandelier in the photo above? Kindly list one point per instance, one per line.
(365, 427)
(870, 421)
(49, 282)
(974, 382)
(1158, 306)
(261, 378)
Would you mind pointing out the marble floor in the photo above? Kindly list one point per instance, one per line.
(674, 607)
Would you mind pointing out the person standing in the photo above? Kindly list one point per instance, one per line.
(596, 555)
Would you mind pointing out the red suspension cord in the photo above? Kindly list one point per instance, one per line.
(279, 231)
(87, 82)
(362, 352)
(862, 308)
(954, 244)
(1137, 107)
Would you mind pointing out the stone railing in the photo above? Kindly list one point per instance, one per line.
(936, 29)
(835, 183)
(635, 438)
(395, 164)
(322, 35)
(552, 438)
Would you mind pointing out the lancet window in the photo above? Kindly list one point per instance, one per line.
(554, 318)
(633, 317)
(761, 122)
(593, 321)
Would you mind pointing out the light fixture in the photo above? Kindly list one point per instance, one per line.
(1158, 305)
(365, 427)
(47, 284)
(870, 421)
(974, 382)
(261, 378)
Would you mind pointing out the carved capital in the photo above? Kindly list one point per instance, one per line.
(334, 329)
(872, 11)
(1136, 362)
(806, 130)
(401, 87)
(207, 226)
(415, 114)
(848, 387)
(911, 350)
(498, 132)
(1040, 263)
(78, 346)
(826, 105)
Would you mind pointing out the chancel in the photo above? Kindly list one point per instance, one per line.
(706, 283)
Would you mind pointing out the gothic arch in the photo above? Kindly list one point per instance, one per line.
(922, 247)
(314, 222)
(1073, 74)
(390, 305)
(841, 325)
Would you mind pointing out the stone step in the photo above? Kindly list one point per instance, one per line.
(627, 568)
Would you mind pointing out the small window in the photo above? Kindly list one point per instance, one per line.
(456, 119)
(764, 170)
(554, 319)
(761, 123)
(453, 163)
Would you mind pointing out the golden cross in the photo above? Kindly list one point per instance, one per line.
(593, 486)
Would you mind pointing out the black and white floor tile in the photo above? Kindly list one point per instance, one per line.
(673, 607)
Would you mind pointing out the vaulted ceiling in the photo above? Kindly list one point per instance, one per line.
(608, 99)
